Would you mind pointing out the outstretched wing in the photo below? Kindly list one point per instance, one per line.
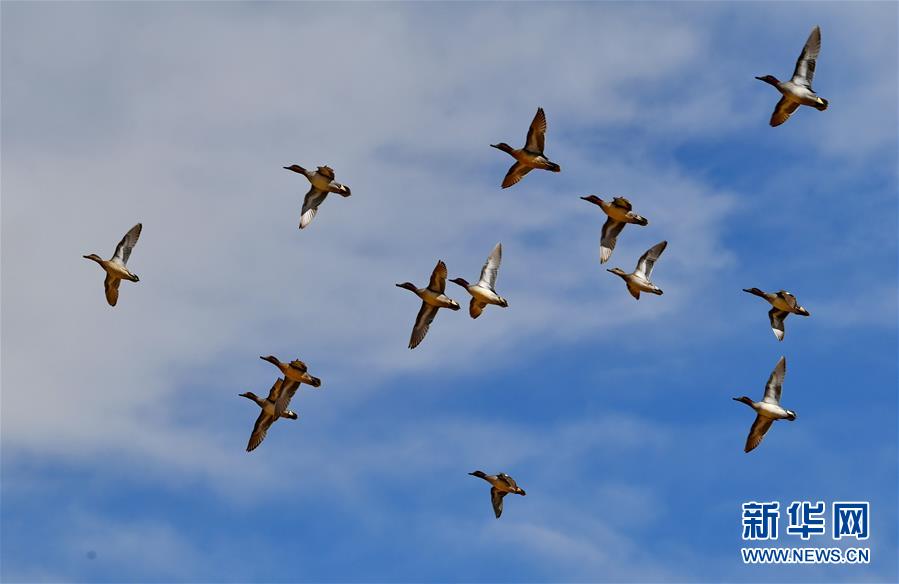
(123, 249)
(438, 278)
(491, 267)
(610, 231)
(759, 428)
(288, 390)
(536, 133)
(805, 65)
(782, 111)
(775, 382)
(496, 497)
(313, 199)
(111, 285)
(515, 174)
(777, 322)
(422, 323)
(648, 259)
(263, 422)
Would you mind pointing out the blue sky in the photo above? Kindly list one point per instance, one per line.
(122, 433)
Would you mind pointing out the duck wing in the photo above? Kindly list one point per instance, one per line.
(123, 249)
(775, 382)
(759, 428)
(422, 323)
(476, 307)
(635, 292)
(789, 299)
(536, 133)
(610, 231)
(297, 364)
(496, 497)
(326, 171)
(275, 392)
(782, 111)
(648, 260)
(491, 267)
(805, 65)
(622, 203)
(515, 174)
(438, 278)
(111, 286)
(313, 199)
(508, 480)
(777, 322)
(263, 422)
(286, 393)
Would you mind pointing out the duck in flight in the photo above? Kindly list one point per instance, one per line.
(531, 156)
(798, 90)
(273, 407)
(433, 298)
(115, 267)
(295, 371)
(501, 485)
(769, 409)
(639, 280)
(620, 214)
(783, 304)
(322, 180)
(484, 292)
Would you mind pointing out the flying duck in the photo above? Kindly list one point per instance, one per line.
(484, 293)
(620, 214)
(115, 266)
(432, 299)
(798, 90)
(502, 484)
(783, 304)
(639, 280)
(769, 409)
(294, 371)
(273, 407)
(531, 156)
(323, 182)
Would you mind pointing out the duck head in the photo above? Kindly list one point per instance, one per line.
(800, 310)
(618, 272)
(408, 286)
(344, 190)
(503, 146)
(744, 399)
(94, 257)
(296, 168)
(769, 79)
(460, 281)
(593, 199)
(312, 380)
(289, 414)
(249, 395)
(520, 491)
(791, 415)
(453, 305)
(271, 359)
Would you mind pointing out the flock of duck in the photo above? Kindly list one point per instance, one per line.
(795, 92)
